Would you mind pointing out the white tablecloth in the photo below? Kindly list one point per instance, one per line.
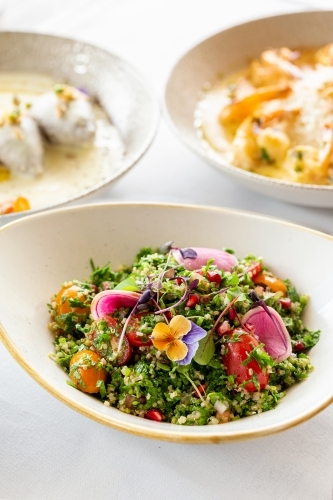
(49, 452)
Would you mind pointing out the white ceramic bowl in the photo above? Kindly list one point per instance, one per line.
(118, 87)
(39, 252)
(229, 51)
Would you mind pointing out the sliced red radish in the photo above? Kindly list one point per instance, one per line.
(222, 260)
(271, 331)
(108, 301)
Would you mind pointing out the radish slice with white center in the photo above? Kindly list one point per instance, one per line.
(271, 331)
(222, 260)
(110, 300)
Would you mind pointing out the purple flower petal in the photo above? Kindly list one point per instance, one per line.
(194, 335)
(192, 349)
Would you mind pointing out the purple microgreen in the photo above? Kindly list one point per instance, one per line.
(145, 297)
(188, 253)
(180, 301)
(192, 383)
(161, 276)
(254, 296)
(123, 332)
(164, 249)
(142, 307)
(170, 273)
(160, 311)
(225, 310)
(259, 302)
(194, 284)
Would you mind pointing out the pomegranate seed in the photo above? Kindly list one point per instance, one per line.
(168, 315)
(285, 303)
(232, 314)
(155, 415)
(193, 300)
(224, 328)
(179, 281)
(214, 277)
(201, 389)
(299, 346)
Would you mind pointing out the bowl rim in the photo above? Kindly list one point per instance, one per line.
(172, 433)
(222, 164)
(155, 119)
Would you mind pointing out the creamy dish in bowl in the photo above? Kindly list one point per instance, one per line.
(55, 141)
(74, 118)
(275, 118)
(254, 102)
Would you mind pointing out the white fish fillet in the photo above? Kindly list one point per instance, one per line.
(21, 148)
(74, 127)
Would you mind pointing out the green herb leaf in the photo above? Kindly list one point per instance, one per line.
(102, 389)
(205, 350)
(128, 284)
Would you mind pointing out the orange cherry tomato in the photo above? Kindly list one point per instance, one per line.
(275, 284)
(63, 300)
(18, 205)
(86, 370)
(21, 204)
(6, 207)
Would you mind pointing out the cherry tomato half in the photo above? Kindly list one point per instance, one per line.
(133, 336)
(236, 353)
(254, 269)
(105, 333)
(85, 371)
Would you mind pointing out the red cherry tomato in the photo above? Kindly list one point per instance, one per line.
(107, 348)
(254, 269)
(133, 336)
(236, 353)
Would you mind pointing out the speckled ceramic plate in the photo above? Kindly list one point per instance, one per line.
(33, 265)
(227, 52)
(125, 108)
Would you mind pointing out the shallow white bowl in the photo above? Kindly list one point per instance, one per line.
(39, 252)
(119, 88)
(229, 51)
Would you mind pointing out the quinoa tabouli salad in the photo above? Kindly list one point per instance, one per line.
(191, 336)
